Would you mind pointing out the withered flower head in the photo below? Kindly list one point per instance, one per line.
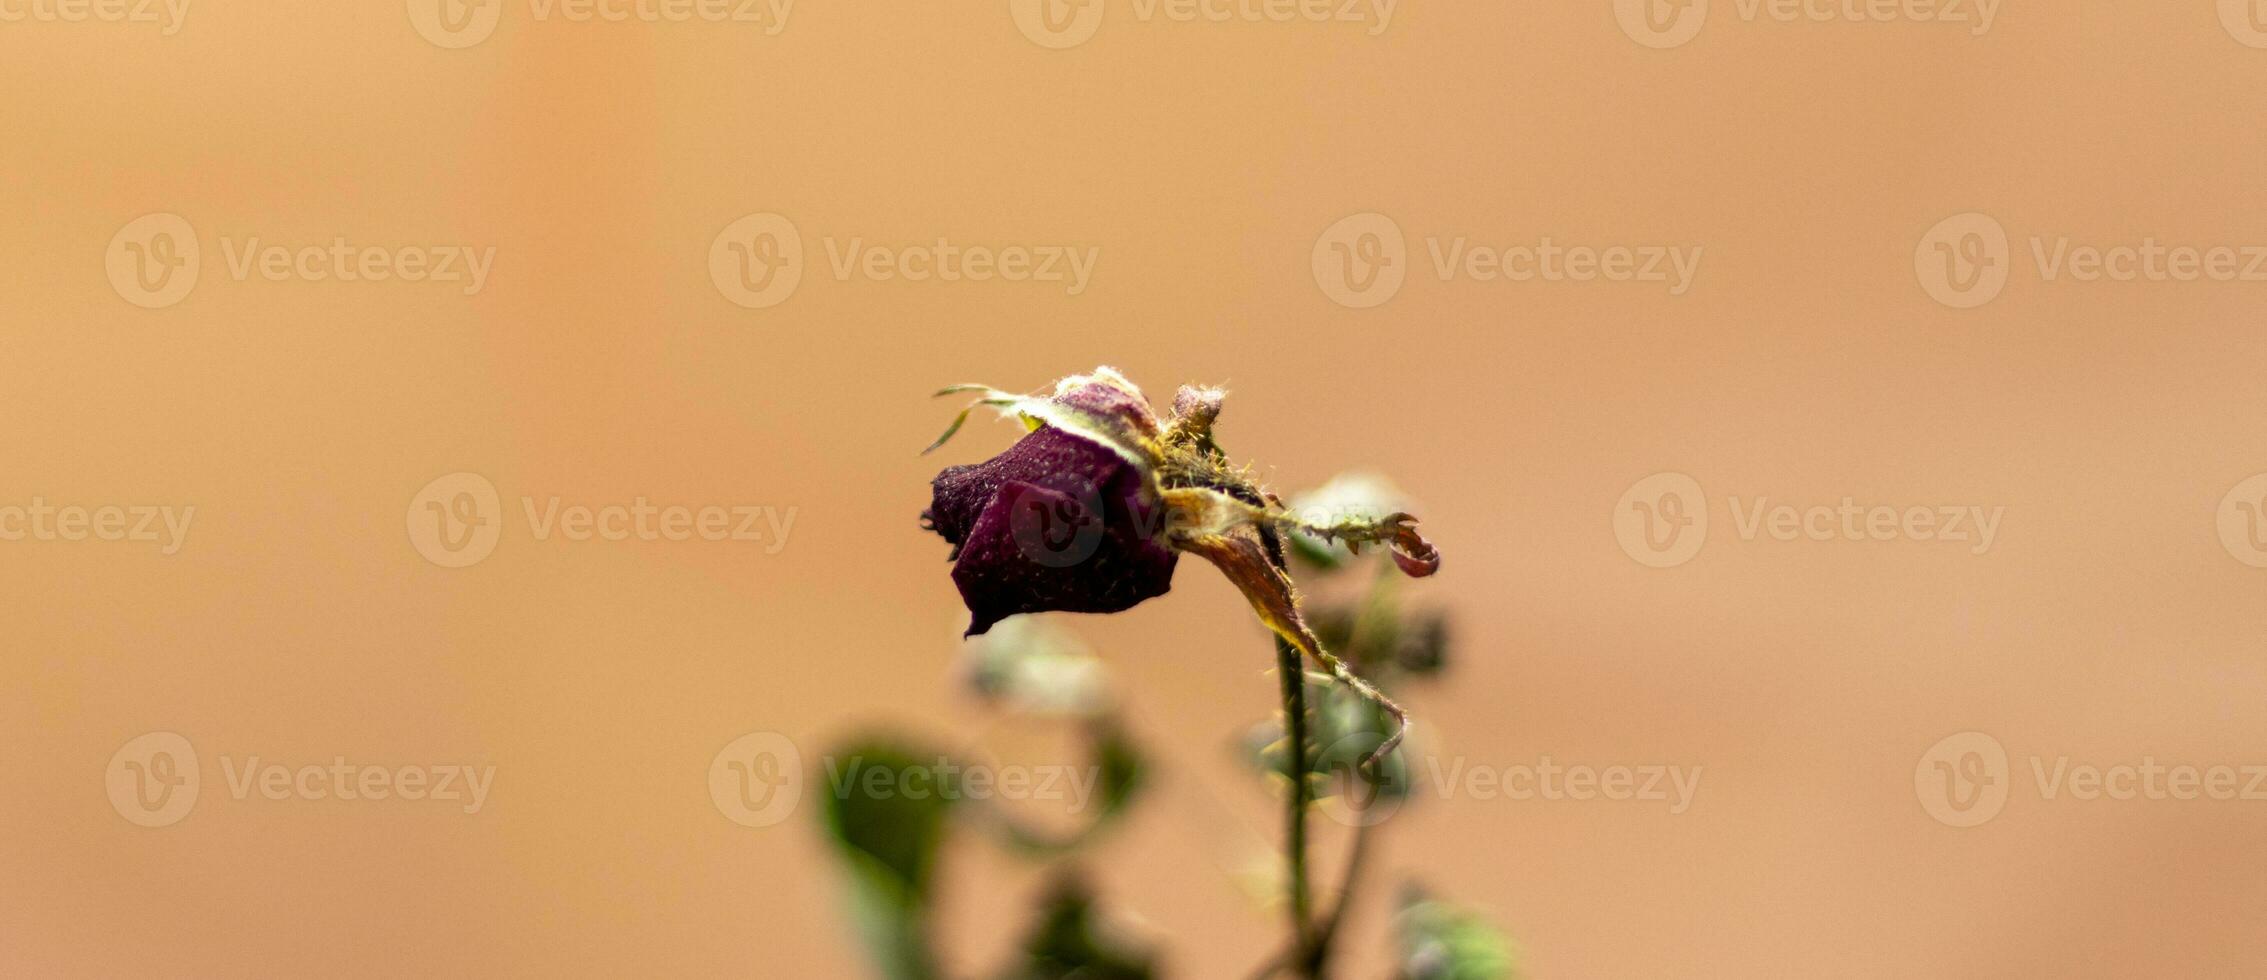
(1091, 509)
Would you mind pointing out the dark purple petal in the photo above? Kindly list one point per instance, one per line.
(1104, 398)
(1056, 523)
(1049, 458)
(1040, 550)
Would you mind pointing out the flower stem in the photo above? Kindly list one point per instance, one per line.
(1294, 676)
(1319, 946)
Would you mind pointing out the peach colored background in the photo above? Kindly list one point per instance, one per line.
(1806, 364)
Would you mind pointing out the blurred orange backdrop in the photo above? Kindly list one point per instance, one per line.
(1281, 203)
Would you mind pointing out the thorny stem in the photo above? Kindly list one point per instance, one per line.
(1319, 952)
(1294, 676)
(1310, 952)
(1374, 606)
(1310, 946)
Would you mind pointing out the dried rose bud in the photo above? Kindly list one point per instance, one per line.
(1059, 522)
(1089, 511)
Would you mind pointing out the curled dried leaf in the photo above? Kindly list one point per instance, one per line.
(1243, 556)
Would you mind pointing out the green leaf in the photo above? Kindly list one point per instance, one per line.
(1347, 496)
(1323, 555)
(1421, 645)
(1122, 768)
(1342, 729)
(1069, 942)
(1380, 636)
(1348, 727)
(1438, 941)
(886, 816)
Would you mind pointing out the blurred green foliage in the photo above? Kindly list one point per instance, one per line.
(1442, 942)
(888, 839)
(1070, 943)
(894, 803)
